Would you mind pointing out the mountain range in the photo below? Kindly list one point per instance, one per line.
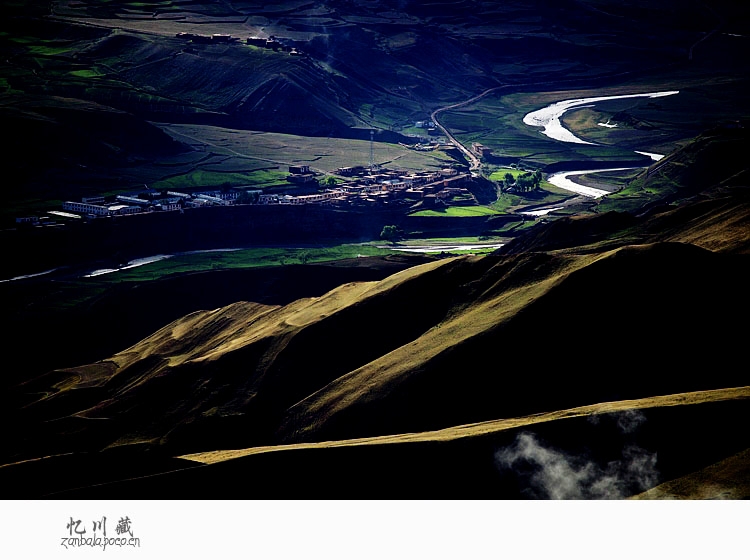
(597, 354)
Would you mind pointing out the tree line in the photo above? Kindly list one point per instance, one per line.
(525, 182)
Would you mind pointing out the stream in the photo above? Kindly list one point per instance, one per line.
(548, 118)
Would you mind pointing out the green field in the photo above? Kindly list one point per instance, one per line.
(324, 155)
(81, 291)
(458, 212)
(499, 175)
(201, 179)
(242, 258)
(645, 124)
(85, 73)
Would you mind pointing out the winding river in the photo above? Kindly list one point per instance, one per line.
(548, 118)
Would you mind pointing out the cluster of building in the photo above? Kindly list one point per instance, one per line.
(273, 43)
(370, 186)
(364, 186)
(149, 201)
(382, 186)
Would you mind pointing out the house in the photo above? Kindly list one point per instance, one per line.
(350, 171)
(86, 208)
(132, 200)
(301, 178)
(58, 214)
(123, 209)
(100, 209)
(169, 205)
(179, 195)
(28, 220)
(299, 169)
(480, 149)
(301, 174)
(256, 41)
(212, 199)
(229, 195)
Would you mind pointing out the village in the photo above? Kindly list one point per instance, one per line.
(348, 187)
(352, 187)
(277, 44)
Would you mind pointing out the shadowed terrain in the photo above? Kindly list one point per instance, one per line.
(460, 341)
(598, 354)
(124, 71)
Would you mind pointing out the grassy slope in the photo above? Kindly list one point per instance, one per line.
(491, 426)
(339, 367)
(709, 172)
(117, 310)
(610, 450)
(346, 365)
(728, 479)
(193, 385)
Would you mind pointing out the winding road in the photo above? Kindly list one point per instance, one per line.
(474, 163)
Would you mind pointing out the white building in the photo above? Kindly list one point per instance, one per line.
(86, 208)
(212, 199)
(268, 199)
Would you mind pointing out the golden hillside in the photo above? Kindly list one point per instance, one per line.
(621, 349)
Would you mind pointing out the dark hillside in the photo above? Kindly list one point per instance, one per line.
(80, 143)
(341, 366)
(103, 324)
(688, 290)
(716, 157)
(636, 306)
(710, 171)
(604, 342)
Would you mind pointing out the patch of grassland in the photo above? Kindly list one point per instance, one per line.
(497, 122)
(458, 212)
(630, 131)
(454, 252)
(547, 193)
(85, 73)
(77, 293)
(415, 131)
(322, 154)
(242, 258)
(204, 178)
(45, 50)
(492, 426)
(5, 87)
(636, 192)
(610, 180)
(499, 175)
(507, 202)
(427, 241)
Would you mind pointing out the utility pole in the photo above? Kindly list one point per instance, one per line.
(372, 160)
